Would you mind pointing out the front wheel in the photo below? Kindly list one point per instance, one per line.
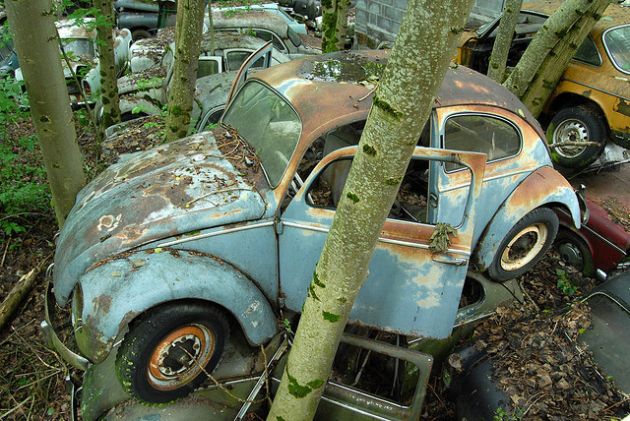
(168, 351)
(576, 137)
(574, 252)
(524, 245)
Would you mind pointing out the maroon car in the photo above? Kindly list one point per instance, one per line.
(597, 248)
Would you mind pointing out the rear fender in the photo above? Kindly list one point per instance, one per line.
(114, 292)
(544, 187)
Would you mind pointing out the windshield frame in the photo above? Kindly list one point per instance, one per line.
(608, 53)
(290, 104)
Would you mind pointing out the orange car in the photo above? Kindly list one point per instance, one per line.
(592, 100)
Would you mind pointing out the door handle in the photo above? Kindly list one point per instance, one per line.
(449, 260)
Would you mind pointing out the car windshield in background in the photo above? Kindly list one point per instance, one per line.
(78, 47)
(484, 12)
(268, 123)
(617, 41)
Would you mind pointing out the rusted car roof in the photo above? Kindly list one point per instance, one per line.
(615, 14)
(254, 18)
(328, 89)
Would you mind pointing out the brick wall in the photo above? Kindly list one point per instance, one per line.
(378, 20)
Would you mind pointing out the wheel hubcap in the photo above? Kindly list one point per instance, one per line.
(571, 255)
(573, 131)
(180, 357)
(524, 247)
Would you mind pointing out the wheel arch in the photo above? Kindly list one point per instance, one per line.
(570, 99)
(545, 187)
(116, 292)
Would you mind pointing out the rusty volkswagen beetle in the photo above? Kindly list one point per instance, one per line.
(168, 249)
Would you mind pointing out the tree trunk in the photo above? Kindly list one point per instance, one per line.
(329, 26)
(419, 58)
(552, 31)
(550, 71)
(213, 44)
(503, 41)
(182, 86)
(106, 61)
(35, 41)
(342, 24)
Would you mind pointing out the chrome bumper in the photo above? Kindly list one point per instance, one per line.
(52, 339)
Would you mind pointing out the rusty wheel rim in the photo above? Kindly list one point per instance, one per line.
(574, 131)
(180, 357)
(524, 247)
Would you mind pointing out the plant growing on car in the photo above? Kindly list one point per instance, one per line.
(500, 414)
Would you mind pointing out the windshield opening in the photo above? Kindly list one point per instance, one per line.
(78, 46)
(268, 123)
(616, 41)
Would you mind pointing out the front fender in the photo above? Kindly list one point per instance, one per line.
(116, 291)
(545, 186)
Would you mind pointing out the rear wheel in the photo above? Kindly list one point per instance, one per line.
(576, 137)
(524, 245)
(168, 350)
(574, 252)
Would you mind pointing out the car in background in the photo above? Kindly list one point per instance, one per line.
(146, 93)
(80, 46)
(598, 248)
(589, 105)
(8, 58)
(297, 27)
(140, 17)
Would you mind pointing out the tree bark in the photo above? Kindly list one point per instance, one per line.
(503, 41)
(106, 61)
(342, 24)
(550, 71)
(36, 44)
(213, 43)
(329, 26)
(419, 58)
(182, 88)
(18, 293)
(552, 31)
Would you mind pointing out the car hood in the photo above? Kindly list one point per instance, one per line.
(173, 189)
(142, 81)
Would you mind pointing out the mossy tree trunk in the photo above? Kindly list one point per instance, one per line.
(35, 39)
(551, 69)
(419, 59)
(182, 85)
(550, 34)
(107, 64)
(503, 41)
(329, 26)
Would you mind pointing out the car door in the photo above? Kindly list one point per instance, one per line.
(252, 61)
(410, 289)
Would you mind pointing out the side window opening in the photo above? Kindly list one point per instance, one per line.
(588, 53)
(477, 133)
(268, 36)
(206, 68)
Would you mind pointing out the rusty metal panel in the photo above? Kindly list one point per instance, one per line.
(409, 289)
(170, 190)
(116, 292)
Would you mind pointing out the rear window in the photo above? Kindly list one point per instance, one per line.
(478, 133)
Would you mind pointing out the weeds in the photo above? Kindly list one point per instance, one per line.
(564, 284)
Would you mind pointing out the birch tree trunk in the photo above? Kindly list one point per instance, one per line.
(36, 44)
(550, 71)
(419, 59)
(106, 61)
(186, 59)
(329, 26)
(552, 31)
(503, 41)
(341, 27)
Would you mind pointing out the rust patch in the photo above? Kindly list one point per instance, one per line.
(102, 304)
(623, 107)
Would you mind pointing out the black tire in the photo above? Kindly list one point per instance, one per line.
(576, 124)
(524, 245)
(574, 252)
(161, 335)
(138, 34)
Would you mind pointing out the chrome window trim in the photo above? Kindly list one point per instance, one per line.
(216, 233)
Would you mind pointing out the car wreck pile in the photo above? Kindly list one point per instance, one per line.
(183, 266)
